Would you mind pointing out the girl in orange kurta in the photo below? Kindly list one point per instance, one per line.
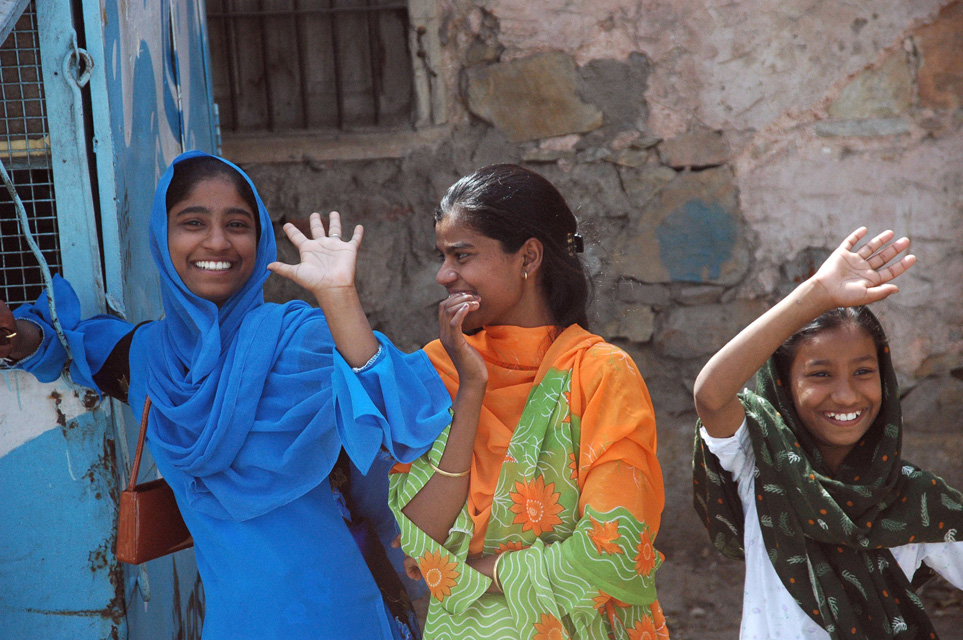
(534, 514)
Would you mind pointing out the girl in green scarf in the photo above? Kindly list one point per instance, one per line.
(803, 477)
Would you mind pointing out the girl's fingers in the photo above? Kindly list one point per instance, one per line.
(898, 268)
(459, 317)
(282, 269)
(316, 224)
(334, 225)
(850, 242)
(888, 253)
(873, 245)
(293, 234)
(357, 235)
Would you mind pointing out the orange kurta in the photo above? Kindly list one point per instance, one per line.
(564, 474)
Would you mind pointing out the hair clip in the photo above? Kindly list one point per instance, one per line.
(574, 243)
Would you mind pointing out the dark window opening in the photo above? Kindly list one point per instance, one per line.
(302, 65)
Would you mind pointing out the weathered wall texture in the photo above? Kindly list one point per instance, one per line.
(715, 152)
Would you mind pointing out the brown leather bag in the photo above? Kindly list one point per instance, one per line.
(149, 524)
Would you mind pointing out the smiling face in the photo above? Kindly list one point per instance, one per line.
(212, 240)
(836, 389)
(474, 263)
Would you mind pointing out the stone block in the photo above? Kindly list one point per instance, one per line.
(695, 149)
(536, 97)
(638, 292)
(692, 295)
(691, 232)
(618, 87)
(934, 405)
(883, 92)
(940, 46)
(635, 324)
(645, 182)
(700, 331)
(593, 191)
(862, 128)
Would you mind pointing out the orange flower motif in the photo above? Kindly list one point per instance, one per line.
(658, 618)
(573, 466)
(536, 506)
(644, 629)
(603, 536)
(603, 599)
(439, 573)
(645, 559)
(550, 628)
(514, 545)
(568, 404)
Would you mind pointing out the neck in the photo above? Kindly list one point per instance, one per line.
(834, 456)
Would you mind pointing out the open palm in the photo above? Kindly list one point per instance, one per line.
(852, 277)
(327, 261)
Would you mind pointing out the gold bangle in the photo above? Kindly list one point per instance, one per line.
(495, 580)
(449, 474)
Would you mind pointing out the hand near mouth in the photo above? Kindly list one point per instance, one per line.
(451, 316)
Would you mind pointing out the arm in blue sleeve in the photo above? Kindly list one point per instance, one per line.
(398, 403)
(91, 341)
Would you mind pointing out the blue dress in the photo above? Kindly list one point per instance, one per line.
(252, 405)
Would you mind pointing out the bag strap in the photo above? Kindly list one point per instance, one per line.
(140, 447)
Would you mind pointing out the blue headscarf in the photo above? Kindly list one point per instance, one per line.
(252, 403)
(244, 396)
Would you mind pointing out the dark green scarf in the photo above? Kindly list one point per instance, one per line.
(828, 537)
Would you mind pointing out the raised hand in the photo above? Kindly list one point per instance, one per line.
(451, 316)
(852, 276)
(327, 260)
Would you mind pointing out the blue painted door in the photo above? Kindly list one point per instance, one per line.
(125, 88)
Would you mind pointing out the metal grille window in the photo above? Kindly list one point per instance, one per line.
(293, 65)
(25, 152)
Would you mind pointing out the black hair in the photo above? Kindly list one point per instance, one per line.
(511, 204)
(860, 317)
(192, 171)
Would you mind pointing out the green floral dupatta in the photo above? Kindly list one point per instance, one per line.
(828, 537)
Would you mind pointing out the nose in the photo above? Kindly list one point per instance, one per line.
(446, 275)
(845, 392)
(216, 239)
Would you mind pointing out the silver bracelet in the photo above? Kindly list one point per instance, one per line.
(367, 365)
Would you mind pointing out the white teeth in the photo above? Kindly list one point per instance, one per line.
(844, 417)
(210, 265)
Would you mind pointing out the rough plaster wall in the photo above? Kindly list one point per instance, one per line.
(714, 152)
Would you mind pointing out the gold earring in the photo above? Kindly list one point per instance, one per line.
(524, 275)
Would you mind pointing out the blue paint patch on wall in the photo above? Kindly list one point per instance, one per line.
(696, 240)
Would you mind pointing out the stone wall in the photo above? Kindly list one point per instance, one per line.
(715, 152)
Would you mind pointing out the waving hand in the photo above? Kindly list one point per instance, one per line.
(852, 276)
(327, 261)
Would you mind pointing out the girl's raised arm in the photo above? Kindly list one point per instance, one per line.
(849, 277)
(327, 270)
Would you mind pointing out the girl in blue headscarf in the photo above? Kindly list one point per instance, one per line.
(253, 403)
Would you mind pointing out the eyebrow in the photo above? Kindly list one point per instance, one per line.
(201, 209)
(455, 246)
(823, 363)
